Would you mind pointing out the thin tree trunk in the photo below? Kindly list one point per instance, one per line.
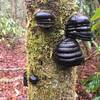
(13, 5)
(96, 2)
(53, 84)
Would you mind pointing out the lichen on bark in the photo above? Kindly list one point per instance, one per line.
(53, 84)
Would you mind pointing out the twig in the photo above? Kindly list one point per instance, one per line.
(86, 48)
(91, 55)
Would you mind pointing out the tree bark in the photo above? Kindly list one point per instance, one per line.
(54, 84)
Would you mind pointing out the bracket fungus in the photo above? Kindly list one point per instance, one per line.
(33, 79)
(79, 27)
(68, 53)
(45, 19)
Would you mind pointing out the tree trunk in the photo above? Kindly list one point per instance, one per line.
(53, 84)
(13, 5)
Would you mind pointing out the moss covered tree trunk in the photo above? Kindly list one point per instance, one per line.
(53, 84)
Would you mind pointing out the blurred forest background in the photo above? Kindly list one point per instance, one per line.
(12, 49)
(13, 8)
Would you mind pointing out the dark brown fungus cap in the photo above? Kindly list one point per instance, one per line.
(68, 53)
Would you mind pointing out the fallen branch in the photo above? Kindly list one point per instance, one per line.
(11, 69)
(7, 80)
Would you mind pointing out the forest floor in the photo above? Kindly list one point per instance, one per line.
(91, 66)
(84, 72)
(12, 67)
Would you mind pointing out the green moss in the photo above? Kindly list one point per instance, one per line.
(54, 84)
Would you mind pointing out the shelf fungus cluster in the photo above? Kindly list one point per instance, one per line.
(79, 27)
(68, 53)
(45, 19)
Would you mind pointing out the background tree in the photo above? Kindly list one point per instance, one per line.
(53, 84)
